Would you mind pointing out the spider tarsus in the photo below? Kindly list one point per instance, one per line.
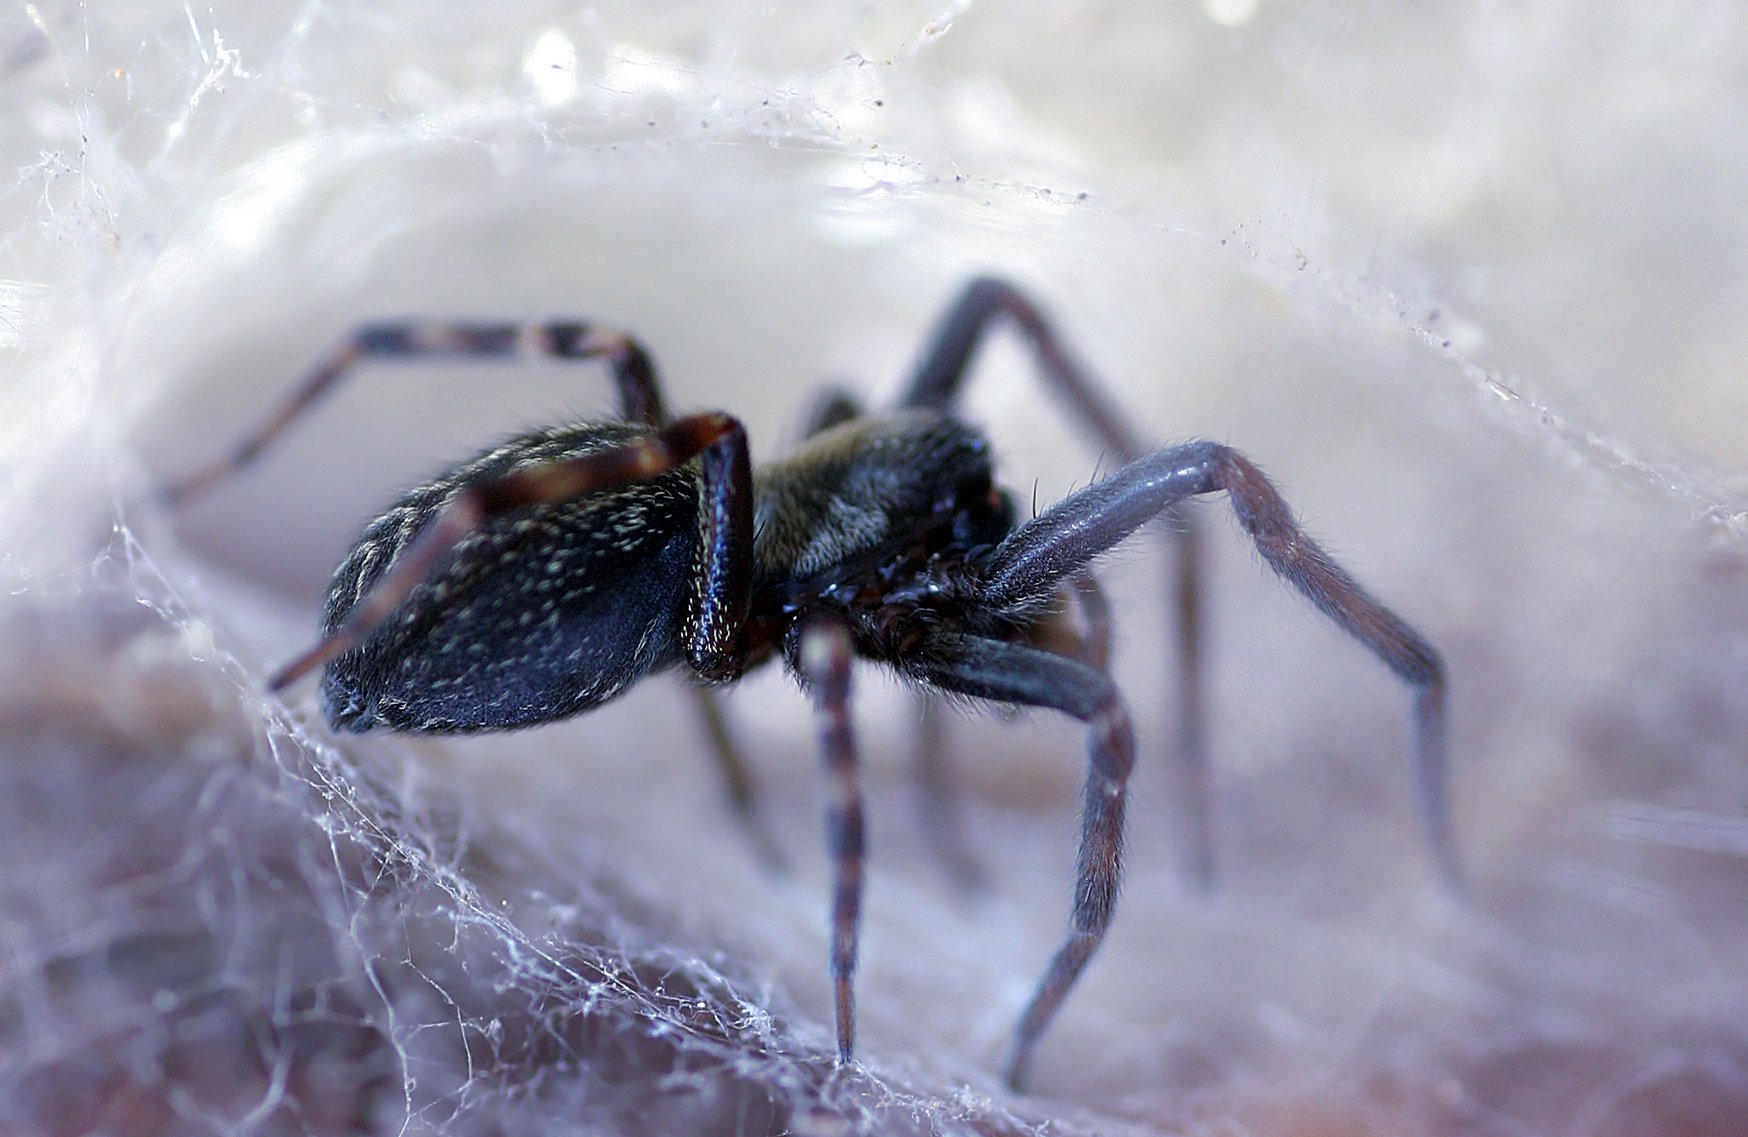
(1065, 968)
(1431, 781)
(1016, 1072)
(844, 996)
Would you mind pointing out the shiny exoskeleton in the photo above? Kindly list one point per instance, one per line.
(546, 575)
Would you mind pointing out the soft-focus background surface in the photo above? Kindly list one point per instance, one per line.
(1466, 279)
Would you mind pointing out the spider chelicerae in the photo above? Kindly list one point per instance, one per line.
(543, 577)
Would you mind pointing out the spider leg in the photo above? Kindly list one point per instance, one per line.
(719, 610)
(640, 396)
(939, 379)
(834, 405)
(1027, 568)
(1095, 614)
(738, 781)
(938, 382)
(943, 821)
(1015, 673)
(823, 658)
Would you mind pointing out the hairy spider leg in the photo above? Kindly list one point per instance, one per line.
(1090, 643)
(1087, 523)
(640, 400)
(640, 396)
(943, 822)
(718, 611)
(823, 657)
(1026, 676)
(939, 380)
(1029, 566)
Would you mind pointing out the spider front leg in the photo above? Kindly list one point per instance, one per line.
(1013, 673)
(942, 819)
(1028, 566)
(939, 380)
(640, 396)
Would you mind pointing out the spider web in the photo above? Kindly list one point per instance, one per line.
(1473, 307)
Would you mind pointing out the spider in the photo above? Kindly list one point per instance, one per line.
(546, 575)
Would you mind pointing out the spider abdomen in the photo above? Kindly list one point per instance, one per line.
(538, 615)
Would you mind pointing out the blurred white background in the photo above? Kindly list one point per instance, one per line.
(1466, 279)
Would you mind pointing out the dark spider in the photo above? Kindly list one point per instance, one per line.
(545, 576)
